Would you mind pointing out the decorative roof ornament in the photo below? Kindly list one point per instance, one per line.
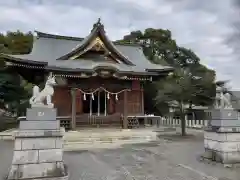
(97, 24)
(99, 21)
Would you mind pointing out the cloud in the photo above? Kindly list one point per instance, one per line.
(209, 28)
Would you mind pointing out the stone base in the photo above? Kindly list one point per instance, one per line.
(38, 171)
(205, 159)
(222, 147)
(38, 155)
(224, 118)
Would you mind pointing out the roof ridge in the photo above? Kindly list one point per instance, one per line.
(56, 36)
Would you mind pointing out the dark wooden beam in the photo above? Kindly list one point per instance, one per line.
(125, 110)
(73, 94)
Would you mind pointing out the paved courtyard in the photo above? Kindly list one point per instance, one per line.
(170, 158)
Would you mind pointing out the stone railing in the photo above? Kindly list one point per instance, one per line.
(174, 122)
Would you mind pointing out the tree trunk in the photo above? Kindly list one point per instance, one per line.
(183, 124)
(182, 117)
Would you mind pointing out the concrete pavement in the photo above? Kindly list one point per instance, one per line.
(171, 158)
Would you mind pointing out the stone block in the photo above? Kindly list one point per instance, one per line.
(50, 155)
(13, 173)
(38, 143)
(40, 133)
(226, 114)
(59, 143)
(17, 144)
(235, 129)
(39, 125)
(221, 146)
(230, 146)
(225, 123)
(213, 145)
(25, 157)
(231, 157)
(215, 136)
(38, 113)
(224, 118)
(233, 137)
(224, 147)
(40, 170)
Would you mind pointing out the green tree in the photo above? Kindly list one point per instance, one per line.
(185, 90)
(19, 42)
(13, 93)
(191, 82)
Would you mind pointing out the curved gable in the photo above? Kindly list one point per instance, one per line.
(97, 41)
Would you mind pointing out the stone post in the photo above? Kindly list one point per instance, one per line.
(222, 137)
(38, 149)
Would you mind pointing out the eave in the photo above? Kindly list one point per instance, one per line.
(166, 69)
(10, 58)
(99, 68)
(87, 73)
(25, 63)
(117, 77)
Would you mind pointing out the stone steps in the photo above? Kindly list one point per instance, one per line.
(72, 137)
(108, 139)
(72, 146)
(7, 135)
(87, 140)
(100, 138)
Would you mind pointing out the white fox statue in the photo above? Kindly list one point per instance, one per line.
(38, 98)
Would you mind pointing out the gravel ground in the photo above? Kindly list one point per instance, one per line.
(170, 158)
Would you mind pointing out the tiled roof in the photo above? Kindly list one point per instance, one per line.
(47, 48)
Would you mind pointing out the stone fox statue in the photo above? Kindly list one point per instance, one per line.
(38, 98)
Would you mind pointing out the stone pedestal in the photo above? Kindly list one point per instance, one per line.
(222, 137)
(224, 118)
(38, 150)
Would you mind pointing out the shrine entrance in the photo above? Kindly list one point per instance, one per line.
(99, 107)
(102, 103)
(95, 104)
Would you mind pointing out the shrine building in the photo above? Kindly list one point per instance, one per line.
(99, 82)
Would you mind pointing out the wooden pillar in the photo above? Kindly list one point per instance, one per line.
(73, 123)
(105, 103)
(110, 104)
(90, 105)
(98, 99)
(79, 105)
(142, 98)
(80, 99)
(125, 112)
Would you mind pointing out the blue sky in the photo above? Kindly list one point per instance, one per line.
(208, 27)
